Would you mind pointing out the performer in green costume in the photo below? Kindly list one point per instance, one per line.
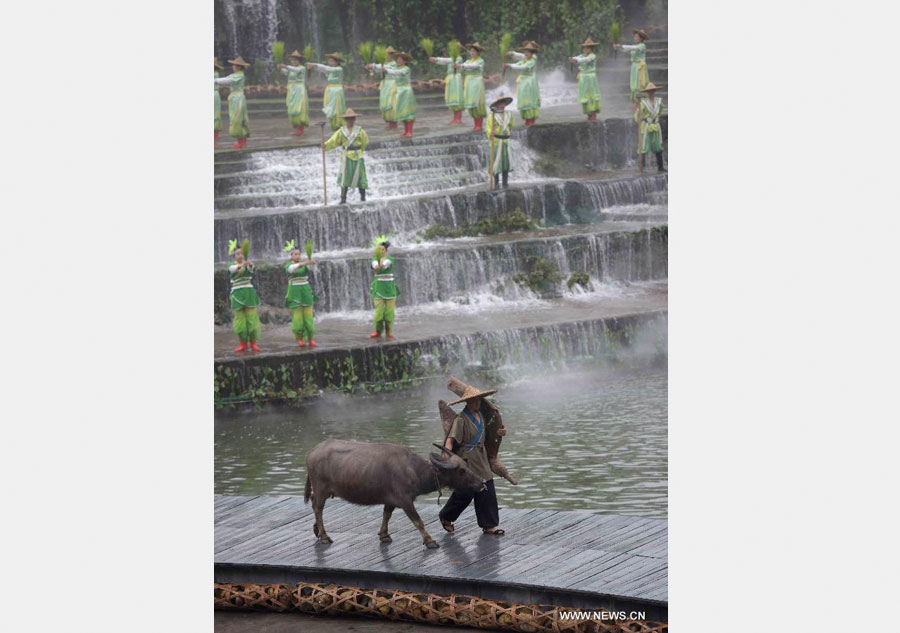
(638, 52)
(384, 291)
(473, 85)
(453, 86)
(244, 301)
(297, 100)
(650, 138)
(403, 104)
(300, 298)
(352, 140)
(528, 95)
(333, 102)
(238, 121)
(588, 88)
(218, 99)
(386, 89)
(499, 125)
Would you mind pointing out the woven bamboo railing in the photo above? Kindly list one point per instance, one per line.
(453, 610)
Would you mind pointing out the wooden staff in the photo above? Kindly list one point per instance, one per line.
(491, 164)
(324, 180)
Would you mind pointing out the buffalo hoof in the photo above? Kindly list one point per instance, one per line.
(316, 529)
(325, 539)
(386, 538)
(432, 545)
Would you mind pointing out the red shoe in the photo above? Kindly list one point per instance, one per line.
(300, 343)
(216, 137)
(241, 348)
(392, 125)
(298, 131)
(478, 123)
(407, 128)
(244, 143)
(254, 346)
(237, 145)
(312, 343)
(390, 337)
(374, 335)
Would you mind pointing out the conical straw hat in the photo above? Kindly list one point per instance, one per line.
(238, 62)
(336, 56)
(349, 114)
(642, 33)
(531, 46)
(473, 392)
(589, 42)
(476, 46)
(391, 50)
(504, 101)
(404, 55)
(217, 64)
(297, 54)
(650, 86)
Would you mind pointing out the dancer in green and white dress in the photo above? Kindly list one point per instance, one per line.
(386, 89)
(297, 100)
(453, 86)
(244, 299)
(217, 119)
(333, 103)
(384, 290)
(238, 121)
(638, 51)
(473, 85)
(528, 95)
(300, 298)
(588, 88)
(403, 105)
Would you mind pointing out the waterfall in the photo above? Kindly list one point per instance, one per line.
(310, 24)
(252, 27)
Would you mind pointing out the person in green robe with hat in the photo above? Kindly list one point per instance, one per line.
(384, 290)
(352, 140)
(588, 88)
(218, 100)
(238, 121)
(300, 297)
(403, 106)
(333, 103)
(386, 88)
(453, 87)
(650, 108)
(244, 299)
(528, 95)
(638, 52)
(499, 126)
(297, 100)
(473, 85)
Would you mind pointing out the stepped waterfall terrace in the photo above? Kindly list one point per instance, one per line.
(459, 270)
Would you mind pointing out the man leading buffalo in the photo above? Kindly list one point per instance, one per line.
(466, 438)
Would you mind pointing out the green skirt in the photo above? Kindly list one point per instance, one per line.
(384, 290)
(244, 298)
(298, 296)
(404, 103)
(238, 121)
(298, 104)
(354, 174)
(588, 93)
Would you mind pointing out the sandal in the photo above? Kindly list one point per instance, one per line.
(494, 531)
(447, 525)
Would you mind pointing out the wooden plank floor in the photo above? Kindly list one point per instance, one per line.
(573, 558)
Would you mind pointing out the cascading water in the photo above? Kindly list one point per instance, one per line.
(556, 88)
(310, 23)
(252, 26)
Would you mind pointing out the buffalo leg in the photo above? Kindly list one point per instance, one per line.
(420, 524)
(383, 533)
(319, 529)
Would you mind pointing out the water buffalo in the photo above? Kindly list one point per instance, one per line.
(374, 474)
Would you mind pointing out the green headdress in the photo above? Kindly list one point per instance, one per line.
(232, 246)
(289, 246)
(377, 243)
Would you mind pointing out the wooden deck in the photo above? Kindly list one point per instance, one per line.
(575, 559)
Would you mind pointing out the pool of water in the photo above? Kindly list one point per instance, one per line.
(592, 440)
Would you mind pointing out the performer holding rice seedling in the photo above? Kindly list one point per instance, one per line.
(403, 104)
(300, 297)
(528, 95)
(386, 87)
(333, 102)
(244, 299)
(453, 82)
(384, 291)
(217, 118)
(297, 100)
(650, 134)
(638, 51)
(352, 140)
(473, 84)
(588, 88)
(238, 121)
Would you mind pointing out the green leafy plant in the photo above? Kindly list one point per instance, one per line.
(366, 50)
(309, 53)
(278, 52)
(309, 248)
(540, 274)
(454, 49)
(427, 45)
(513, 221)
(582, 279)
(245, 248)
(380, 52)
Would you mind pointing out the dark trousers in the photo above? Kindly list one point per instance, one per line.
(486, 510)
(505, 179)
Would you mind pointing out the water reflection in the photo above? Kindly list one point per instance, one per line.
(592, 440)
